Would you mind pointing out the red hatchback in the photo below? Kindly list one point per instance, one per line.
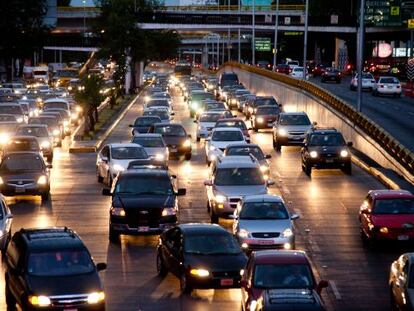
(387, 215)
(281, 271)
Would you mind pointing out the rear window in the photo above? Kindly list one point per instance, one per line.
(394, 206)
(170, 130)
(265, 102)
(294, 120)
(227, 136)
(268, 110)
(239, 124)
(33, 131)
(149, 142)
(53, 105)
(146, 121)
(15, 109)
(389, 80)
(21, 163)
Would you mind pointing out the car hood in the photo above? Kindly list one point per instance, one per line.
(156, 150)
(393, 221)
(124, 162)
(265, 225)
(296, 128)
(216, 262)
(24, 175)
(174, 140)
(65, 285)
(241, 191)
(145, 201)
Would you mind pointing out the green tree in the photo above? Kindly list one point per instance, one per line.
(90, 96)
(22, 30)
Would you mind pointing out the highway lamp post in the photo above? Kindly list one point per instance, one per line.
(84, 18)
(253, 33)
(305, 39)
(228, 35)
(276, 31)
(360, 55)
(238, 36)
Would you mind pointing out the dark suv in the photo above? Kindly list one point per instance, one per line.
(326, 148)
(143, 201)
(51, 269)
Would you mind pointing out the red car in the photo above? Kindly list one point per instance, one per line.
(319, 69)
(283, 68)
(387, 215)
(285, 271)
(235, 122)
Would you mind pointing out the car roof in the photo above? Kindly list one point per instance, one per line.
(143, 172)
(230, 120)
(242, 146)
(263, 198)
(33, 125)
(55, 99)
(121, 145)
(391, 194)
(197, 228)
(51, 238)
(23, 137)
(326, 130)
(168, 124)
(280, 257)
(237, 162)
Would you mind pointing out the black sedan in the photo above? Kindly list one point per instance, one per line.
(175, 137)
(201, 256)
(331, 74)
(143, 124)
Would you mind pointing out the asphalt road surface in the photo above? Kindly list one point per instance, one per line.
(327, 230)
(396, 115)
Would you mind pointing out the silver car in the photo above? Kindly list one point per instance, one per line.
(263, 222)
(290, 129)
(154, 145)
(231, 179)
(206, 123)
(6, 219)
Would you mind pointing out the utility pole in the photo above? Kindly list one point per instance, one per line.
(253, 33)
(238, 35)
(305, 39)
(360, 56)
(276, 31)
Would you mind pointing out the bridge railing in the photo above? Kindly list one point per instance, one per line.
(395, 149)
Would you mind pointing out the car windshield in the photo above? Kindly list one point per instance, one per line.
(210, 117)
(170, 130)
(146, 121)
(283, 276)
(263, 210)
(21, 163)
(158, 103)
(149, 142)
(240, 124)
(393, 206)
(60, 263)
(119, 153)
(268, 110)
(33, 131)
(244, 151)
(211, 244)
(10, 109)
(55, 105)
(334, 139)
(227, 136)
(203, 96)
(23, 145)
(144, 185)
(389, 80)
(292, 119)
(6, 118)
(48, 121)
(212, 106)
(163, 114)
(238, 177)
(265, 102)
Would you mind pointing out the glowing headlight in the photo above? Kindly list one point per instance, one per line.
(212, 148)
(20, 120)
(74, 116)
(199, 272)
(96, 297)
(39, 100)
(187, 143)
(344, 153)
(233, 101)
(1, 181)
(24, 97)
(147, 98)
(287, 233)
(250, 109)
(383, 230)
(220, 199)
(243, 233)
(45, 144)
(282, 132)
(56, 132)
(65, 123)
(287, 246)
(42, 180)
(194, 105)
(70, 88)
(79, 109)
(259, 120)
(118, 168)
(4, 138)
(181, 84)
(41, 301)
(17, 92)
(264, 168)
(253, 305)
(118, 211)
(168, 211)
(313, 154)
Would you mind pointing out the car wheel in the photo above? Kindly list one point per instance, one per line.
(59, 144)
(208, 162)
(188, 157)
(276, 146)
(352, 88)
(347, 169)
(45, 196)
(308, 169)
(208, 206)
(49, 158)
(393, 303)
(374, 93)
(161, 269)
(399, 95)
(113, 236)
(192, 114)
(255, 129)
(10, 300)
(338, 81)
(198, 138)
(184, 286)
(213, 217)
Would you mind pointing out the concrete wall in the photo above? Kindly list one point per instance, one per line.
(295, 100)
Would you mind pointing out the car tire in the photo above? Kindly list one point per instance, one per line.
(393, 303)
(98, 176)
(352, 88)
(161, 269)
(208, 162)
(45, 196)
(214, 219)
(59, 144)
(192, 114)
(308, 169)
(255, 129)
(208, 206)
(113, 236)
(347, 169)
(198, 139)
(276, 145)
(184, 286)
(338, 81)
(49, 158)
(188, 156)
(10, 300)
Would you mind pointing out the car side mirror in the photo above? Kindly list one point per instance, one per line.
(208, 183)
(294, 217)
(270, 182)
(280, 105)
(350, 144)
(106, 191)
(49, 166)
(250, 129)
(181, 191)
(101, 266)
(172, 113)
(173, 176)
(314, 123)
(131, 125)
(235, 116)
(268, 156)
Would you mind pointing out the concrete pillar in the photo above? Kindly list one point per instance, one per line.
(340, 52)
(139, 73)
(204, 55)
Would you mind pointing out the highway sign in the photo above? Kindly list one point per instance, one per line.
(263, 44)
(383, 13)
(410, 69)
(411, 23)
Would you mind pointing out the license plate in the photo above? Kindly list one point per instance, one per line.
(389, 86)
(226, 282)
(143, 229)
(264, 242)
(403, 237)
(329, 160)
(20, 190)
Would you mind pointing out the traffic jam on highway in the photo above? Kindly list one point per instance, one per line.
(250, 241)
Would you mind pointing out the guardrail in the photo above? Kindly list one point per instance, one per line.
(394, 148)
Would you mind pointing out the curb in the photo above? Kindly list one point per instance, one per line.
(96, 144)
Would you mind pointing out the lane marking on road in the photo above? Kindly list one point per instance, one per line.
(335, 290)
(343, 206)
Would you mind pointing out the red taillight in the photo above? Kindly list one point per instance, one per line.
(348, 67)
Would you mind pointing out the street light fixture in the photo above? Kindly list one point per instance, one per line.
(253, 33)
(84, 18)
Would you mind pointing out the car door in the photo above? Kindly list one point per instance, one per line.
(247, 278)
(14, 262)
(366, 214)
(170, 251)
(401, 281)
(103, 162)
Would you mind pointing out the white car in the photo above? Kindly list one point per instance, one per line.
(220, 138)
(206, 123)
(115, 158)
(292, 63)
(297, 72)
(368, 82)
(387, 86)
